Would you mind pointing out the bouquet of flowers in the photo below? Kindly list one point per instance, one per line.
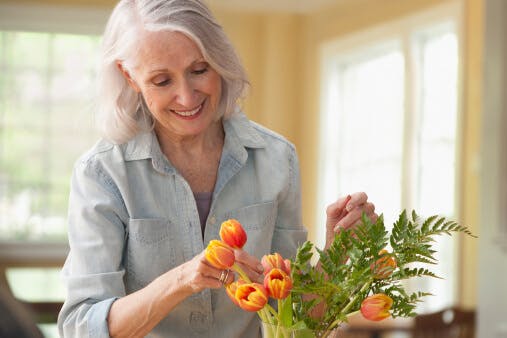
(361, 271)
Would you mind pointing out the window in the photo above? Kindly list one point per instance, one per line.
(48, 56)
(389, 117)
(46, 92)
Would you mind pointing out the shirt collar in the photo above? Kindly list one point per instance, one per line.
(244, 131)
(145, 144)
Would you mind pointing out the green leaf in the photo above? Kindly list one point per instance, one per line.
(285, 311)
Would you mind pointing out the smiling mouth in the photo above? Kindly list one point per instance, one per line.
(188, 113)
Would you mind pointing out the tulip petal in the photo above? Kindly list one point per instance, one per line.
(233, 234)
(278, 283)
(376, 307)
(219, 254)
(275, 261)
(251, 296)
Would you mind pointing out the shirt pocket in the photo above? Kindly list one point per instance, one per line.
(150, 250)
(258, 220)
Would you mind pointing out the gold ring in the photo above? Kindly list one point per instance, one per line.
(223, 277)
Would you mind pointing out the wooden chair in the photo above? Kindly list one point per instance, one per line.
(452, 322)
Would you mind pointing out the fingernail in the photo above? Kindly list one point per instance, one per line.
(260, 268)
(348, 206)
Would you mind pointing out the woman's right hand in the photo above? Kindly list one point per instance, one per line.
(161, 296)
(198, 274)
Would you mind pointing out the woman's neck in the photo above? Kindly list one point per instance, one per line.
(194, 145)
(196, 158)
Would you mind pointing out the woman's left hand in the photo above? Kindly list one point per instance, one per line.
(346, 212)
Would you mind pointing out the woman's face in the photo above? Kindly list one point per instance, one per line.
(180, 88)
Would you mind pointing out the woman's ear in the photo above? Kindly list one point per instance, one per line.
(127, 76)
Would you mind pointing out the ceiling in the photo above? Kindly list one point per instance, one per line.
(293, 6)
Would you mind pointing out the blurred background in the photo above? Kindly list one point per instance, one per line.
(403, 99)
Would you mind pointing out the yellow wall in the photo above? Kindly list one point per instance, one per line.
(269, 47)
(280, 53)
(470, 147)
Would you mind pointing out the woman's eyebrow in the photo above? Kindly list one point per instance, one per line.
(159, 69)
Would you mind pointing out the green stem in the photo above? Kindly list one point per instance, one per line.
(267, 313)
(241, 273)
(353, 313)
(262, 315)
(347, 307)
(270, 309)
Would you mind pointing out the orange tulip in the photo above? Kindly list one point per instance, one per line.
(376, 307)
(278, 283)
(384, 266)
(275, 260)
(251, 296)
(232, 233)
(219, 254)
(231, 290)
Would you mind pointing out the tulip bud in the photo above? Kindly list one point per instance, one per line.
(278, 283)
(232, 233)
(273, 261)
(219, 254)
(376, 307)
(251, 296)
(384, 266)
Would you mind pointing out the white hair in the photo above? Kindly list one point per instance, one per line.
(122, 112)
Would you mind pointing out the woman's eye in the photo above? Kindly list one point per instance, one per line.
(200, 71)
(161, 82)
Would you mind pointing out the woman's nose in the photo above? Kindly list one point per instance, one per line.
(184, 93)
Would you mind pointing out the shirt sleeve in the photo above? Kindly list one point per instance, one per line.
(93, 272)
(289, 231)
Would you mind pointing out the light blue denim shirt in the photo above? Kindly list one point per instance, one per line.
(132, 217)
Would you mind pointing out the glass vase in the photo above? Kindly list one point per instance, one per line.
(276, 331)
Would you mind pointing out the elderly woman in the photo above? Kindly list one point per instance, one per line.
(177, 159)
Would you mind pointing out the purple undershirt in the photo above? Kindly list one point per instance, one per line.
(203, 200)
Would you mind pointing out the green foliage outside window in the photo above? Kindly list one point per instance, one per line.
(46, 122)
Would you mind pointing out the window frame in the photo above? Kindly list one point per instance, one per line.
(402, 30)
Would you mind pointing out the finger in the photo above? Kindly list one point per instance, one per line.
(248, 260)
(253, 275)
(356, 200)
(226, 277)
(335, 209)
(207, 270)
(215, 278)
(198, 275)
(354, 216)
(230, 278)
(210, 282)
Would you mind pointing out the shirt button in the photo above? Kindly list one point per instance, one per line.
(198, 321)
(212, 219)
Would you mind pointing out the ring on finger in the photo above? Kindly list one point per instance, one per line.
(223, 276)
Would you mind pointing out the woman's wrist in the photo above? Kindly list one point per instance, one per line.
(174, 285)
